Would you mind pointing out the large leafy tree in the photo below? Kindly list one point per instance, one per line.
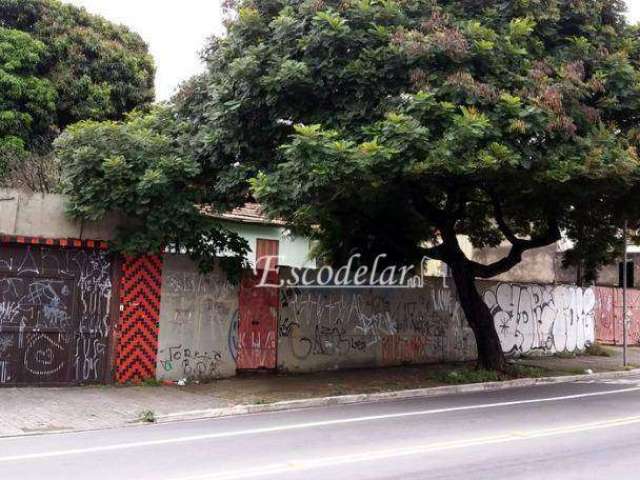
(137, 169)
(382, 126)
(59, 65)
(27, 102)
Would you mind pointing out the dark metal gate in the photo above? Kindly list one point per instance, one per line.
(54, 314)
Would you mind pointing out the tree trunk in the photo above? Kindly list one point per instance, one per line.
(490, 354)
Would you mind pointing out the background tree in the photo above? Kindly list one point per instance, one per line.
(383, 126)
(59, 65)
(27, 102)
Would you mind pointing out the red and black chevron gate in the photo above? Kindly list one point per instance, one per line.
(137, 343)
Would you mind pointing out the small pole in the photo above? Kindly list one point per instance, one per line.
(624, 297)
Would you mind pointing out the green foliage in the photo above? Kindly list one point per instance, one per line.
(464, 376)
(60, 65)
(565, 355)
(384, 126)
(526, 371)
(597, 350)
(27, 102)
(378, 124)
(147, 416)
(151, 382)
(137, 170)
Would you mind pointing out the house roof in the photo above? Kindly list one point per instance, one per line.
(248, 213)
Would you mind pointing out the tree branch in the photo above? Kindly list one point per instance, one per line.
(500, 220)
(515, 254)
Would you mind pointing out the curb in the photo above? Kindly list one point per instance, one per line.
(379, 397)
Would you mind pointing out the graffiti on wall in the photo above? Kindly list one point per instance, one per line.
(190, 364)
(257, 323)
(609, 328)
(337, 328)
(53, 303)
(320, 328)
(197, 318)
(542, 318)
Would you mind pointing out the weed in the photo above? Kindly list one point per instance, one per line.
(526, 371)
(565, 355)
(466, 375)
(597, 350)
(151, 382)
(148, 416)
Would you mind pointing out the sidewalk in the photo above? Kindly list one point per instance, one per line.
(47, 410)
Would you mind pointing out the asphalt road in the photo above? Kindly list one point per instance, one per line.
(568, 431)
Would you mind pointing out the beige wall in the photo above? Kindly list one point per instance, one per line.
(198, 322)
(544, 265)
(608, 276)
(31, 214)
(330, 329)
(537, 265)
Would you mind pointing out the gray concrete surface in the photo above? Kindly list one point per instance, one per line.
(567, 431)
(37, 410)
(329, 329)
(326, 329)
(30, 214)
(198, 322)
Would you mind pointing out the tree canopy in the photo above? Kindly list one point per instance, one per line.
(137, 169)
(27, 102)
(385, 126)
(59, 65)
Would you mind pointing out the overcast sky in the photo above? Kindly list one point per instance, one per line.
(176, 31)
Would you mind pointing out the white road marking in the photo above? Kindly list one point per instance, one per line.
(301, 465)
(620, 381)
(296, 426)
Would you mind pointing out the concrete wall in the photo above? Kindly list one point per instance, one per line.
(537, 265)
(198, 323)
(544, 265)
(541, 319)
(42, 215)
(609, 275)
(294, 251)
(609, 328)
(325, 329)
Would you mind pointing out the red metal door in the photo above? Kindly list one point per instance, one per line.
(267, 253)
(258, 322)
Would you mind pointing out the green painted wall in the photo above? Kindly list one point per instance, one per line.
(294, 251)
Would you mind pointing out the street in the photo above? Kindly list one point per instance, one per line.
(576, 430)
